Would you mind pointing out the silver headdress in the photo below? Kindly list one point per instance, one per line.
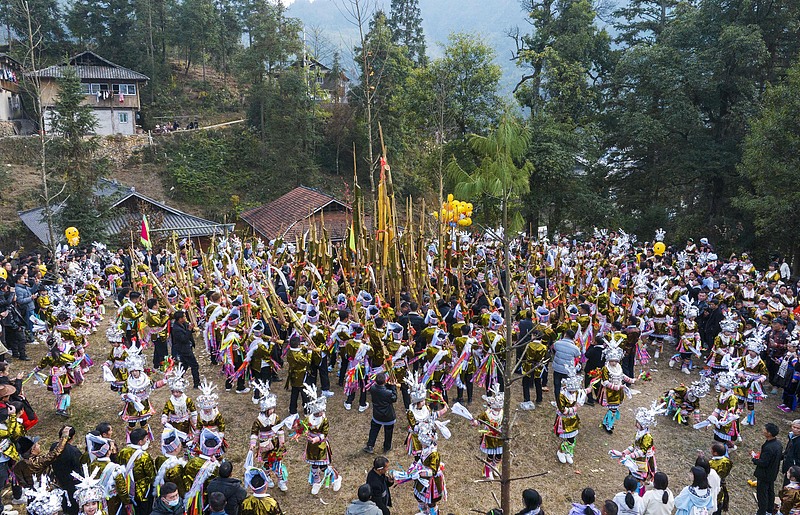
(88, 488)
(268, 399)
(613, 350)
(699, 389)
(426, 432)
(646, 417)
(207, 399)
(176, 381)
(755, 342)
(730, 379)
(573, 382)
(495, 397)
(416, 389)
(317, 403)
(41, 499)
(689, 309)
(660, 234)
(135, 360)
(729, 323)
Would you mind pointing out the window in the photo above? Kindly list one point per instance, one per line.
(123, 117)
(125, 89)
(92, 89)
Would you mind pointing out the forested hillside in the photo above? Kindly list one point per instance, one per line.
(683, 119)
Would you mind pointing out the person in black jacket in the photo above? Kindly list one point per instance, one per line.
(64, 465)
(383, 398)
(183, 345)
(230, 487)
(594, 360)
(767, 464)
(379, 483)
(791, 454)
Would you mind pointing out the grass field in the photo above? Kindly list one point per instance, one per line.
(533, 447)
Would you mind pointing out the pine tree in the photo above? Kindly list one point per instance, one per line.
(405, 21)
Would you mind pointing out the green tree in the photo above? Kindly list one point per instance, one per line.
(273, 38)
(45, 21)
(199, 29)
(504, 176)
(405, 22)
(771, 166)
(73, 160)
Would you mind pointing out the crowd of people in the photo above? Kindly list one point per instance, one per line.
(584, 316)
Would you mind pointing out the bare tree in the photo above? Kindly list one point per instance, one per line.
(32, 84)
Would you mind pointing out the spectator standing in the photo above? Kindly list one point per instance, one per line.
(791, 454)
(565, 352)
(379, 482)
(64, 465)
(696, 496)
(183, 345)
(216, 503)
(767, 464)
(790, 493)
(228, 486)
(383, 398)
(33, 461)
(363, 505)
(586, 506)
(658, 500)
(532, 501)
(714, 482)
(169, 502)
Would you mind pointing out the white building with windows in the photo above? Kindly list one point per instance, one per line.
(112, 91)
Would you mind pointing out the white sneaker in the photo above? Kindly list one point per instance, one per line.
(283, 486)
(362, 409)
(270, 482)
(685, 370)
(569, 459)
(348, 407)
(655, 356)
(337, 484)
(527, 406)
(672, 363)
(561, 456)
(247, 389)
(10, 512)
(327, 393)
(315, 488)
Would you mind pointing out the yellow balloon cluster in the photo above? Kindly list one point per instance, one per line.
(73, 236)
(455, 212)
(659, 248)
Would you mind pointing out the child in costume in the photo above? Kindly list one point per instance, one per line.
(209, 416)
(89, 493)
(170, 466)
(722, 465)
(259, 502)
(684, 401)
(660, 319)
(491, 438)
(614, 382)
(201, 469)
(567, 423)
(136, 393)
(268, 439)
(60, 378)
(725, 417)
(418, 412)
(427, 471)
(318, 452)
(43, 498)
(114, 369)
(725, 343)
(640, 457)
(179, 411)
(689, 333)
(752, 375)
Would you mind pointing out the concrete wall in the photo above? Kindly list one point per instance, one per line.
(109, 121)
(8, 100)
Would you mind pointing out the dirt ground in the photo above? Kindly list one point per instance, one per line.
(534, 444)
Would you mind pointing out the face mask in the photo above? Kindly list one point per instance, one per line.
(173, 503)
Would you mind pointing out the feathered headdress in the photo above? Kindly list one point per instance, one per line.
(268, 399)
(613, 350)
(495, 397)
(88, 488)
(207, 399)
(317, 403)
(41, 499)
(646, 417)
(416, 389)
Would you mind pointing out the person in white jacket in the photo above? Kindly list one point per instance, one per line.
(659, 500)
(629, 502)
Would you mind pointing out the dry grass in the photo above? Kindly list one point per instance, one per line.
(534, 446)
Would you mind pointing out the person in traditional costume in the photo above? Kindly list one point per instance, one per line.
(683, 401)
(136, 392)
(640, 457)
(231, 353)
(427, 471)
(725, 416)
(201, 469)
(490, 422)
(614, 382)
(259, 502)
(493, 347)
(60, 378)
(169, 466)
(73, 343)
(534, 359)
(567, 424)
(259, 357)
(179, 411)
(215, 313)
(318, 452)
(155, 331)
(209, 415)
(134, 484)
(689, 338)
(660, 319)
(89, 493)
(268, 438)
(114, 369)
(437, 359)
(129, 316)
(752, 375)
(99, 450)
(359, 353)
(400, 352)
(725, 344)
(463, 370)
(418, 412)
